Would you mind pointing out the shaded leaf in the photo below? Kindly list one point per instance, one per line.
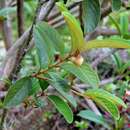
(62, 107)
(61, 85)
(6, 11)
(116, 5)
(18, 92)
(91, 14)
(43, 84)
(91, 116)
(46, 46)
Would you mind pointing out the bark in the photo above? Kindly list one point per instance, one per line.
(6, 28)
(20, 17)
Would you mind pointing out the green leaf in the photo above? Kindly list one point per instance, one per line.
(105, 100)
(124, 24)
(116, 24)
(18, 92)
(6, 11)
(116, 5)
(61, 6)
(84, 72)
(97, 93)
(91, 116)
(124, 67)
(61, 85)
(43, 84)
(35, 86)
(91, 14)
(117, 59)
(108, 105)
(46, 46)
(74, 27)
(62, 107)
(108, 43)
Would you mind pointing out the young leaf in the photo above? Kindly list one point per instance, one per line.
(75, 29)
(108, 43)
(18, 92)
(84, 72)
(97, 93)
(62, 107)
(91, 116)
(91, 14)
(124, 24)
(116, 5)
(61, 85)
(116, 24)
(61, 6)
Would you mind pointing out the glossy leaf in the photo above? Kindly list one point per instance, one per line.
(116, 5)
(74, 27)
(84, 72)
(62, 86)
(97, 93)
(18, 92)
(107, 43)
(62, 107)
(91, 14)
(91, 116)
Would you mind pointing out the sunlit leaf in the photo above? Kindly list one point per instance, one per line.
(105, 100)
(92, 93)
(107, 43)
(75, 29)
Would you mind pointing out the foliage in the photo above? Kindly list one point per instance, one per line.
(60, 70)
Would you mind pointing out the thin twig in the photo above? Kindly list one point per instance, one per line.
(22, 52)
(3, 119)
(52, 66)
(6, 28)
(20, 17)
